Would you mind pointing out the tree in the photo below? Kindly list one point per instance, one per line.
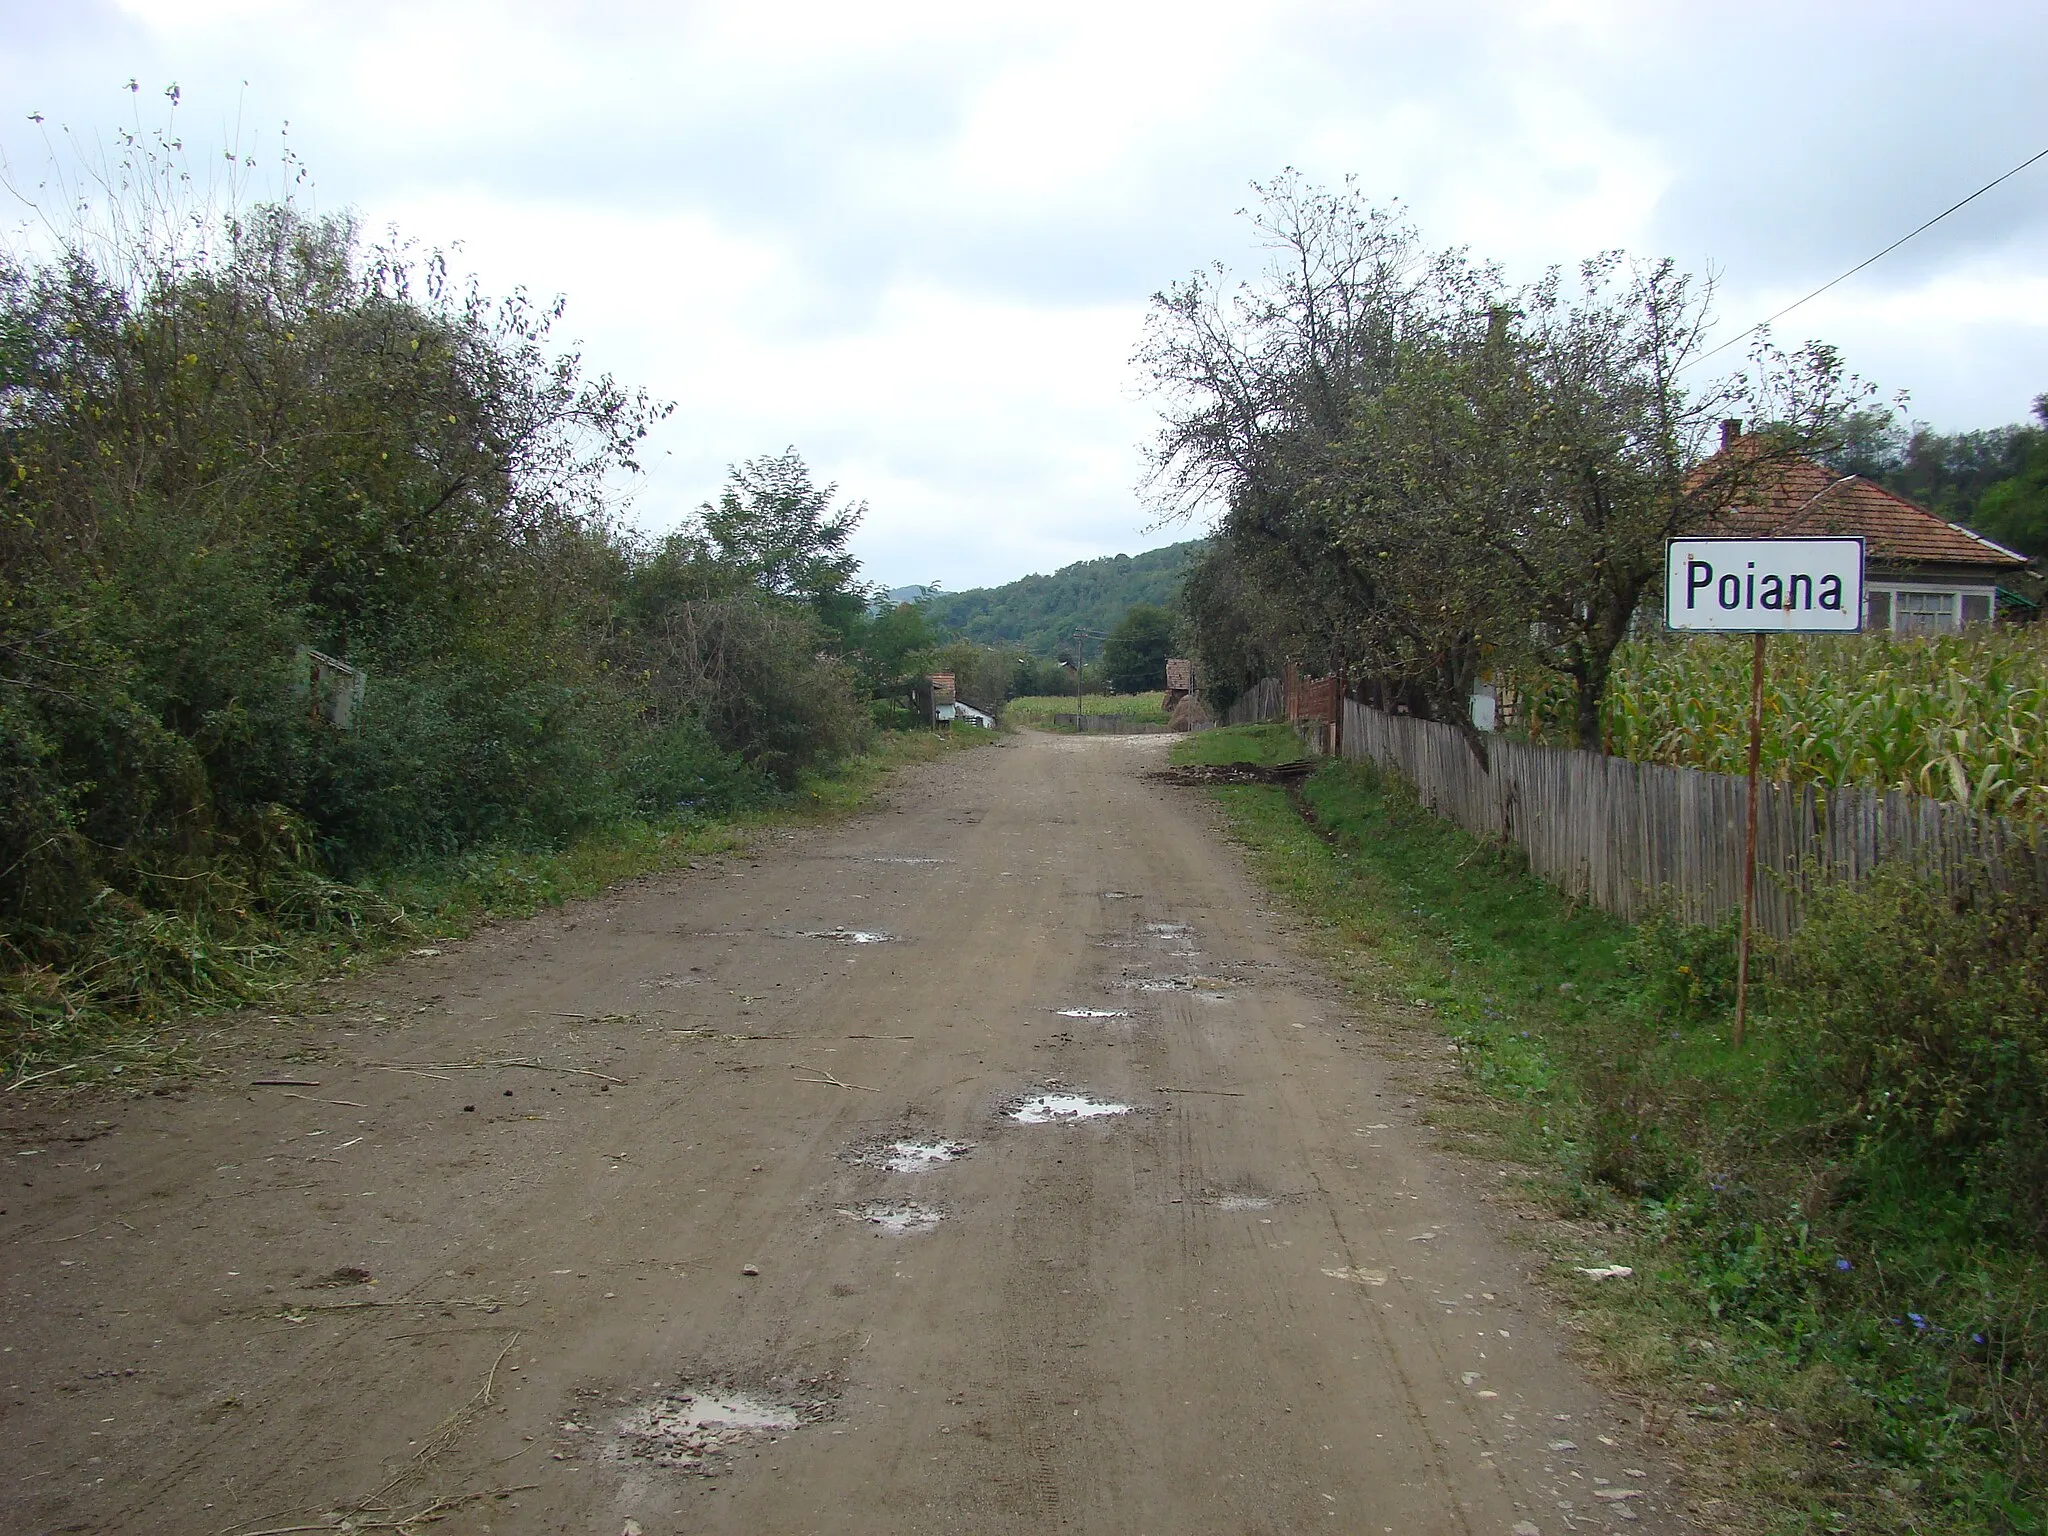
(783, 532)
(1422, 469)
(2014, 511)
(1135, 654)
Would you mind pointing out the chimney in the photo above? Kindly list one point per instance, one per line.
(1731, 429)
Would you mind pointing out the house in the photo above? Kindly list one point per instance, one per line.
(1921, 575)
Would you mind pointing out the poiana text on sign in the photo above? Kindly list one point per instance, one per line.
(1764, 586)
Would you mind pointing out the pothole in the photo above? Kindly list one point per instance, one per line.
(1241, 1202)
(1054, 1108)
(1093, 1013)
(1175, 930)
(1214, 984)
(1119, 895)
(695, 1428)
(896, 1218)
(849, 936)
(908, 1155)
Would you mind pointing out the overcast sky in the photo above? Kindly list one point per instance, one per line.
(916, 241)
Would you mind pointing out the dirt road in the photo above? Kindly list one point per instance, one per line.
(753, 1239)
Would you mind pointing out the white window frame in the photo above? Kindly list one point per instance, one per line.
(1891, 592)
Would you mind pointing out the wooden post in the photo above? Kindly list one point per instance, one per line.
(1756, 748)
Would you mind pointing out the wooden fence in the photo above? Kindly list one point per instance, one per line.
(1624, 835)
(1264, 701)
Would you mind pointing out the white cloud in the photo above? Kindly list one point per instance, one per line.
(916, 239)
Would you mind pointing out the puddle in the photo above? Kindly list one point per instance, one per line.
(1213, 985)
(1119, 895)
(909, 1156)
(849, 936)
(1093, 1013)
(1175, 929)
(1243, 1202)
(690, 1429)
(897, 1218)
(1047, 1108)
(1357, 1276)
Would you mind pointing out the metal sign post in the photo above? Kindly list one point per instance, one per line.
(1761, 587)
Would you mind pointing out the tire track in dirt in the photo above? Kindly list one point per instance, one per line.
(1275, 1311)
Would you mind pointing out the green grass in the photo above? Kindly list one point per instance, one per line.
(128, 1009)
(1263, 745)
(1041, 711)
(1835, 1338)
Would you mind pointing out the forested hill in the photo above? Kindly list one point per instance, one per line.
(1039, 614)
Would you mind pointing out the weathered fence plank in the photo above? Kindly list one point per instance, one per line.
(1625, 835)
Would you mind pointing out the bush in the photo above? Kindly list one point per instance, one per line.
(1931, 1017)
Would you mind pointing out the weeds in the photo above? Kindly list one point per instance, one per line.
(239, 934)
(1841, 1290)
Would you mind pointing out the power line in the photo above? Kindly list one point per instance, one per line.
(1824, 287)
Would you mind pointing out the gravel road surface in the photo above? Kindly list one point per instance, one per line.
(989, 1162)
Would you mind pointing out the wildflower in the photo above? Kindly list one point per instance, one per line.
(1844, 1264)
(1919, 1323)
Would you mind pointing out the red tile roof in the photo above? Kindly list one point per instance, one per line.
(1800, 497)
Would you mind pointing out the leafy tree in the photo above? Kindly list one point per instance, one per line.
(1420, 468)
(1135, 654)
(2014, 510)
(783, 532)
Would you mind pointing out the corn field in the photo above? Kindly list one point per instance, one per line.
(1962, 718)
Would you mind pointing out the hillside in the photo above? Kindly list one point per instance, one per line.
(1040, 613)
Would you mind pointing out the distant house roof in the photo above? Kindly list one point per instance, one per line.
(1797, 497)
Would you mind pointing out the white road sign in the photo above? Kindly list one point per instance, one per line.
(1764, 586)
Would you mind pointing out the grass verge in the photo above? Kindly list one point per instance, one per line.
(1838, 1327)
(247, 938)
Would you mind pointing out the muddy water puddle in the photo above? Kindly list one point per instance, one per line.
(694, 1428)
(1093, 1013)
(896, 1218)
(850, 936)
(908, 1154)
(1062, 1109)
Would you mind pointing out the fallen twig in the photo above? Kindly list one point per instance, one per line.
(434, 1509)
(286, 1082)
(825, 1078)
(881, 1037)
(311, 1099)
(1220, 1093)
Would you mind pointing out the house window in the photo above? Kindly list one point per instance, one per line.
(1879, 606)
(1926, 613)
(1976, 608)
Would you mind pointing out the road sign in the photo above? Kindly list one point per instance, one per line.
(1764, 586)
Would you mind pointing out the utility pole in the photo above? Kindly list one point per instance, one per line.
(1080, 659)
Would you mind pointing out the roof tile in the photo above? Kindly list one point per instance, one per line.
(1800, 497)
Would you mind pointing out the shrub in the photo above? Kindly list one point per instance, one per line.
(1931, 1016)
